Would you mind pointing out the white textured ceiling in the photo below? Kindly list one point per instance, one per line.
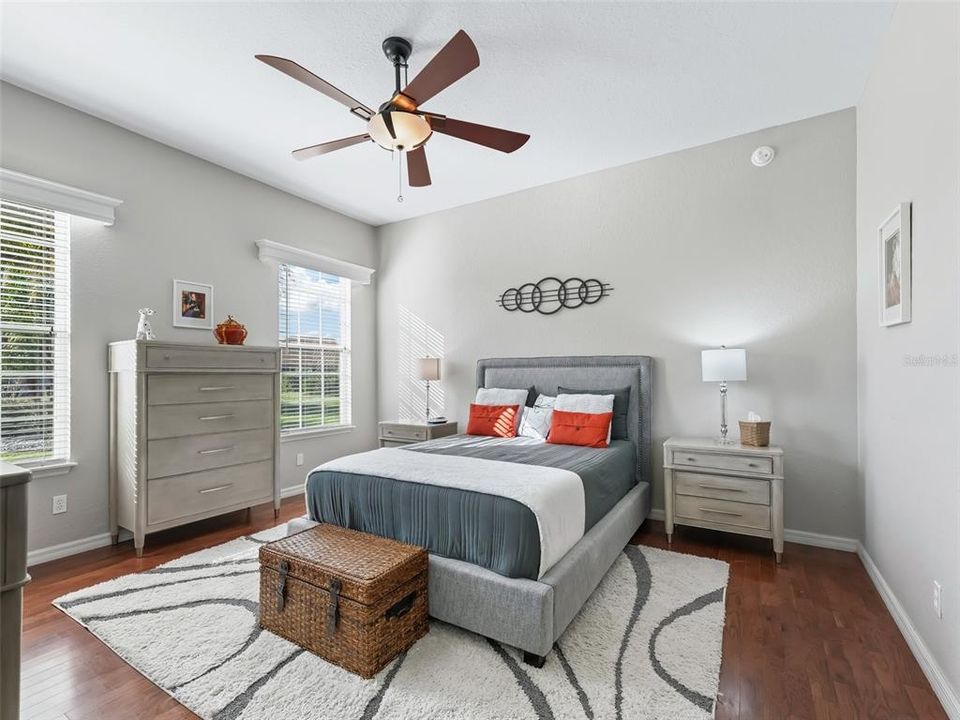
(595, 84)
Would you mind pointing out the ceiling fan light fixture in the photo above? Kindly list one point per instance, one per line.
(409, 131)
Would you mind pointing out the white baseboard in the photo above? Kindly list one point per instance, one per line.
(291, 491)
(55, 552)
(947, 694)
(801, 537)
(831, 542)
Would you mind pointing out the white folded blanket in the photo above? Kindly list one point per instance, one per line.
(555, 496)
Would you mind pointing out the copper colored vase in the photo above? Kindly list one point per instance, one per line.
(230, 332)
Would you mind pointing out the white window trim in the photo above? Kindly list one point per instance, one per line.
(311, 433)
(277, 252)
(20, 187)
(43, 469)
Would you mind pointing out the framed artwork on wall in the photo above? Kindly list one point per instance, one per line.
(192, 305)
(895, 274)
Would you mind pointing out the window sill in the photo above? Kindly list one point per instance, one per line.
(316, 432)
(42, 470)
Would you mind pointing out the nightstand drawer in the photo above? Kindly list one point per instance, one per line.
(403, 432)
(723, 512)
(721, 487)
(723, 461)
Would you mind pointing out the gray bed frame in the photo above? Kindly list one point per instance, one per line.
(532, 614)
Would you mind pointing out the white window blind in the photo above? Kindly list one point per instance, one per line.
(35, 334)
(314, 350)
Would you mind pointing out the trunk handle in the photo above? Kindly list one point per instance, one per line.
(401, 607)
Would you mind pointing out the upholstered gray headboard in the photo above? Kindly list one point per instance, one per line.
(598, 372)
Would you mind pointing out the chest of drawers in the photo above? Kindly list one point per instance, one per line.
(194, 431)
(734, 488)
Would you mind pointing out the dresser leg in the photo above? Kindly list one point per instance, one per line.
(276, 513)
(779, 557)
(114, 538)
(670, 538)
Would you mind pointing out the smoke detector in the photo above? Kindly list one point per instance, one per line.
(763, 156)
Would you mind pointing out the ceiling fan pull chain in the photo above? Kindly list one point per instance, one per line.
(399, 176)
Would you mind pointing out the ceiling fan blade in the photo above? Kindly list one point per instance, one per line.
(298, 72)
(455, 59)
(418, 173)
(503, 140)
(324, 148)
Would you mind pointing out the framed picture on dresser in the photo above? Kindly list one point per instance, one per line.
(895, 274)
(192, 305)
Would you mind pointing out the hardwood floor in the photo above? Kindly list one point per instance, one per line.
(810, 639)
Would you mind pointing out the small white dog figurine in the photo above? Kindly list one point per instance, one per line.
(144, 331)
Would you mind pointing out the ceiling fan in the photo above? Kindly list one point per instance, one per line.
(399, 125)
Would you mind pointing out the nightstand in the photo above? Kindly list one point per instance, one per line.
(393, 434)
(734, 488)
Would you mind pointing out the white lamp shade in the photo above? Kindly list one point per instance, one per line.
(724, 365)
(430, 368)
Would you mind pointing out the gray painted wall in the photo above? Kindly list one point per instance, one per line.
(909, 150)
(702, 249)
(181, 217)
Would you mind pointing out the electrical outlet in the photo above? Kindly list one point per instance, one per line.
(937, 599)
(59, 504)
(299, 459)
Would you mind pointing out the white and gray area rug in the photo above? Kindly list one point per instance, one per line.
(646, 646)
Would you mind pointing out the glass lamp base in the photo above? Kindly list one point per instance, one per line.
(724, 441)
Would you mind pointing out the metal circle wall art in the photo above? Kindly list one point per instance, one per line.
(551, 294)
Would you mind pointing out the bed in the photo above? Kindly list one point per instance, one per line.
(520, 532)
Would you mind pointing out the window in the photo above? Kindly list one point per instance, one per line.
(34, 334)
(314, 350)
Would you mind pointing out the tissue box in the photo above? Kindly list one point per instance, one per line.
(756, 434)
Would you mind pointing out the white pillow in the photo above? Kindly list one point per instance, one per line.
(594, 404)
(536, 420)
(503, 396)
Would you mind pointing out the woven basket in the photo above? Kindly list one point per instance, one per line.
(756, 434)
(354, 599)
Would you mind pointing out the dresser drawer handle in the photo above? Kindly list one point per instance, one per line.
(721, 512)
(218, 488)
(216, 417)
(691, 459)
(718, 487)
(215, 450)
(213, 388)
(752, 465)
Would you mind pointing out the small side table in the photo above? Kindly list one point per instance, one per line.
(734, 488)
(393, 434)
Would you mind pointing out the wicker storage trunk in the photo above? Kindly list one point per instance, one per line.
(354, 599)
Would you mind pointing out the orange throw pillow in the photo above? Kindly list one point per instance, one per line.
(586, 429)
(493, 420)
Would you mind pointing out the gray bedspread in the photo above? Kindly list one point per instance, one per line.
(487, 530)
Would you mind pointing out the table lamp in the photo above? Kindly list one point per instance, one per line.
(723, 366)
(429, 371)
